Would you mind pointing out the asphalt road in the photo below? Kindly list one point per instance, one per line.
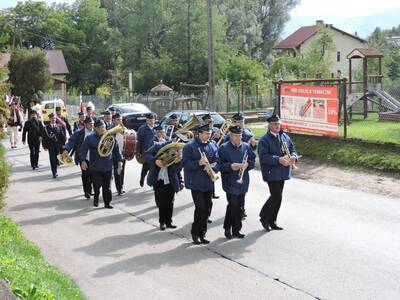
(336, 243)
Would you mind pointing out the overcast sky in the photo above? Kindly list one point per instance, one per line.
(323, 9)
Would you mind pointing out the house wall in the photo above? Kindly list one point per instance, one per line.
(59, 85)
(343, 43)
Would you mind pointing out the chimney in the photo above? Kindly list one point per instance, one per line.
(319, 23)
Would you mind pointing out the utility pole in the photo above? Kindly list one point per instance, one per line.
(211, 79)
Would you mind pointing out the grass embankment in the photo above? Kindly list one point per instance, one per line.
(22, 265)
(384, 157)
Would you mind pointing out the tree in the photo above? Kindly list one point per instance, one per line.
(29, 73)
(254, 26)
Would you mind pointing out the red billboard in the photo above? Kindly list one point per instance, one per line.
(310, 109)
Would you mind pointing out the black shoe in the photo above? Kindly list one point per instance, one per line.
(91, 194)
(275, 227)
(109, 206)
(203, 240)
(215, 196)
(265, 225)
(141, 182)
(36, 167)
(87, 195)
(209, 221)
(238, 235)
(96, 202)
(162, 226)
(228, 234)
(122, 192)
(54, 175)
(195, 239)
(171, 225)
(33, 168)
(119, 193)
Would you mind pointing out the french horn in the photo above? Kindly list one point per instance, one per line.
(107, 140)
(170, 154)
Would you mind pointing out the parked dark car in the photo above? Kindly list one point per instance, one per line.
(186, 114)
(133, 114)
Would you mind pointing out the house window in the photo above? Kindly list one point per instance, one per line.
(338, 56)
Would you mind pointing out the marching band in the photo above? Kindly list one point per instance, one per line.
(203, 152)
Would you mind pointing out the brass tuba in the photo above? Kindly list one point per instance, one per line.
(185, 133)
(107, 140)
(170, 153)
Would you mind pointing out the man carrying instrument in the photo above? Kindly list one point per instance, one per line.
(145, 135)
(108, 119)
(63, 121)
(236, 159)
(100, 168)
(200, 157)
(53, 141)
(174, 126)
(34, 129)
(275, 168)
(75, 143)
(119, 176)
(159, 135)
(79, 124)
(247, 137)
(165, 181)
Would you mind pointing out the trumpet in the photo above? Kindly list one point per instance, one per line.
(286, 151)
(242, 169)
(208, 168)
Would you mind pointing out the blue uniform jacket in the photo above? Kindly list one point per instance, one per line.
(97, 163)
(173, 170)
(269, 152)
(144, 136)
(228, 154)
(196, 178)
(75, 142)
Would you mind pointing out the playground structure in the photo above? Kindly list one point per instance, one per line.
(372, 89)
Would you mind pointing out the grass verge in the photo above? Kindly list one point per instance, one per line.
(21, 263)
(28, 275)
(384, 157)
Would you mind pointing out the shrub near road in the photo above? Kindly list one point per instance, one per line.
(21, 263)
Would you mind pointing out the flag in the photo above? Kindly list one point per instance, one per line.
(80, 103)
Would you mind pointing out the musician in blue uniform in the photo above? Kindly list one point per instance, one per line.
(174, 122)
(215, 135)
(144, 135)
(53, 141)
(276, 167)
(165, 182)
(236, 159)
(34, 129)
(74, 144)
(200, 157)
(100, 168)
(108, 119)
(247, 137)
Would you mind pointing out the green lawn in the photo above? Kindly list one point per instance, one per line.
(372, 130)
(384, 157)
(29, 276)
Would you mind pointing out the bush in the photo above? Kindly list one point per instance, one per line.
(5, 170)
